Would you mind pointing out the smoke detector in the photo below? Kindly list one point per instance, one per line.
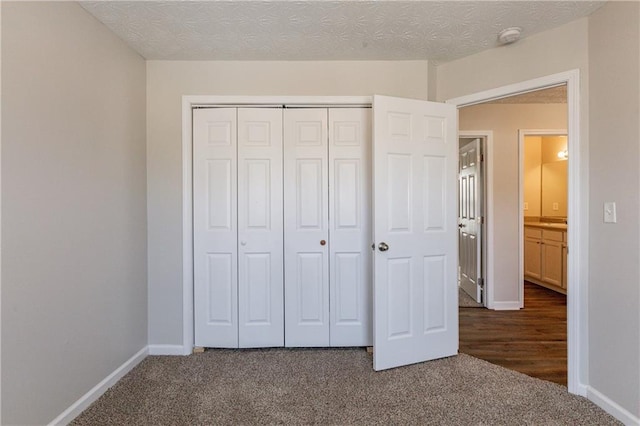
(509, 35)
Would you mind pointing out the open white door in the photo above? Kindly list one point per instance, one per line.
(470, 219)
(415, 231)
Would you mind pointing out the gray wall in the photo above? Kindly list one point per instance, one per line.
(74, 282)
(614, 288)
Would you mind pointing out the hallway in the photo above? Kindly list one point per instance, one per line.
(532, 340)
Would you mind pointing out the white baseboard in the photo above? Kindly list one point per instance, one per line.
(611, 407)
(87, 399)
(506, 306)
(177, 350)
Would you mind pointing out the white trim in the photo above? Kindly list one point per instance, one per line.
(188, 102)
(506, 306)
(172, 350)
(611, 407)
(96, 392)
(578, 211)
(522, 133)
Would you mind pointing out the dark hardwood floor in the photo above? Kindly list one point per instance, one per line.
(532, 340)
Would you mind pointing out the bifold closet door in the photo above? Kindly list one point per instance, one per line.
(260, 252)
(328, 266)
(350, 258)
(215, 231)
(306, 228)
(237, 225)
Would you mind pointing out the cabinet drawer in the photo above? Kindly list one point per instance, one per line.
(532, 232)
(548, 234)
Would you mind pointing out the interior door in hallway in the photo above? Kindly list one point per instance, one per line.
(470, 219)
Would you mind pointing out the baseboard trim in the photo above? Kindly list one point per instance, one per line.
(611, 407)
(88, 398)
(506, 306)
(175, 350)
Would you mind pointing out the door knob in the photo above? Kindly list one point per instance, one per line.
(322, 242)
(383, 246)
(461, 225)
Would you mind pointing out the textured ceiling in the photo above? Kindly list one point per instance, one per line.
(325, 30)
(554, 95)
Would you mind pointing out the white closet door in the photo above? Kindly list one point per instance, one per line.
(306, 228)
(215, 227)
(260, 253)
(350, 235)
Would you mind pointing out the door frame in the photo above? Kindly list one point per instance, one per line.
(522, 133)
(578, 226)
(188, 103)
(486, 137)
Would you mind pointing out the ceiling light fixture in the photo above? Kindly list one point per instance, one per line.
(509, 35)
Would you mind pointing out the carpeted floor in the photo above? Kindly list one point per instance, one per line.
(466, 301)
(332, 386)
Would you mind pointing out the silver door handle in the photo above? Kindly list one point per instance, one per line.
(383, 246)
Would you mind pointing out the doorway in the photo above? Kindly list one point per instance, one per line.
(513, 296)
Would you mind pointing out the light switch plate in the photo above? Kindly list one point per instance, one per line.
(526, 206)
(610, 212)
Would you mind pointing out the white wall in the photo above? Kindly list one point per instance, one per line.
(167, 82)
(74, 298)
(614, 288)
(505, 120)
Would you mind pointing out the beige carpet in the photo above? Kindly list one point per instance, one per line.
(466, 301)
(332, 386)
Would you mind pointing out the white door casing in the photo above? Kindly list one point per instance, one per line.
(469, 219)
(415, 290)
(306, 228)
(350, 240)
(215, 231)
(260, 216)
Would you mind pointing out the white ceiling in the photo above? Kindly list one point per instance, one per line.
(325, 30)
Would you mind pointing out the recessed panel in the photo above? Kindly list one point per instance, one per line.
(347, 286)
(258, 133)
(347, 198)
(346, 133)
(399, 126)
(309, 133)
(310, 277)
(258, 187)
(434, 201)
(219, 286)
(309, 197)
(472, 197)
(219, 133)
(399, 192)
(434, 293)
(434, 131)
(219, 194)
(399, 298)
(258, 287)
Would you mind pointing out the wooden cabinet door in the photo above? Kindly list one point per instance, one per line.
(552, 262)
(532, 257)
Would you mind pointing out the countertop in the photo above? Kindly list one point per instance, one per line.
(547, 225)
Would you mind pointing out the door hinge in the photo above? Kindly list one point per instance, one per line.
(481, 282)
(481, 158)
